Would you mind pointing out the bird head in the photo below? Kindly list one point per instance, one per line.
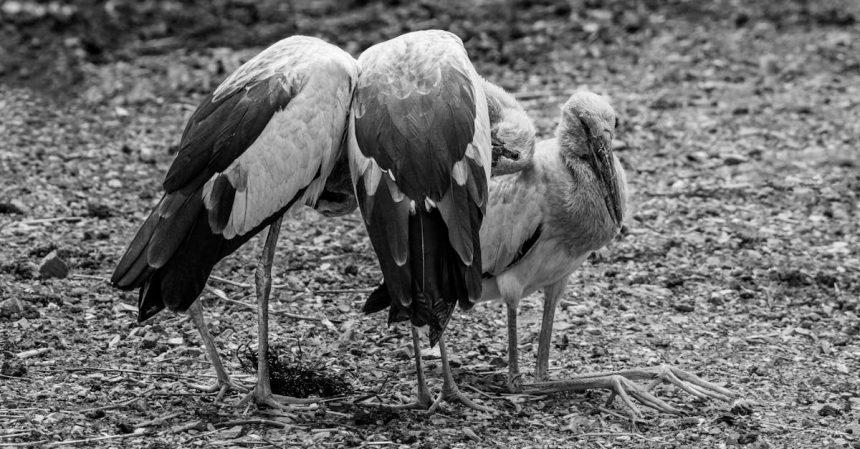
(512, 132)
(585, 132)
(513, 144)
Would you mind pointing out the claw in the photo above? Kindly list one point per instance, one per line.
(454, 395)
(621, 385)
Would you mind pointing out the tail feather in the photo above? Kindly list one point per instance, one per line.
(434, 278)
(174, 252)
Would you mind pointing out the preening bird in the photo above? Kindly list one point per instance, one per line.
(543, 221)
(269, 140)
(420, 151)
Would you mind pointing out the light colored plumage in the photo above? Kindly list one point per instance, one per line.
(544, 221)
(262, 145)
(301, 143)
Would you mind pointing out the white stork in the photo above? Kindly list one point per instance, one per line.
(265, 143)
(420, 150)
(543, 222)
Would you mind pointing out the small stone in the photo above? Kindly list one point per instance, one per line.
(114, 184)
(99, 211)
(147, 155)
(95, 414)
(684, 307)
(829, 410)
(175, 341)
(471, 434)
(734, 159)
(53, 266)
(697, 156)
(149, 341)
(11, 306)
(13, 368)
(742, 407)
(580, 310)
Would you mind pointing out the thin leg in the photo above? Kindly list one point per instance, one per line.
(262, 393)
(423, 400)
(450, 392)
(515, 380)
(552, 296)
(195, 313)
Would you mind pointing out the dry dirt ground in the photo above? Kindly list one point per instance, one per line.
(739, 132)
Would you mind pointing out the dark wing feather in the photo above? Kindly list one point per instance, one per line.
(222, 129)
(430, 257)
(394, 131)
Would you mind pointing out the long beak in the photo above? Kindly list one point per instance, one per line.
(499, 150)
(601, 148)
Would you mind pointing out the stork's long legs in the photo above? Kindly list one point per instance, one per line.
(262, 392)
(195, 313)
(450, 392)
(552, 296)
(423, 400)
(515, 380)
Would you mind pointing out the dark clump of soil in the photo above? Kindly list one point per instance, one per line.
(292, 376)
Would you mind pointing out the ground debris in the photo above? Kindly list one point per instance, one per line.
(292, 376)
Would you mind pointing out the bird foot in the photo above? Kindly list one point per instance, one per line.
(515, 382)
(621, 384)
(221, 387)
(455, 395)
(423, 402)
(260, 397)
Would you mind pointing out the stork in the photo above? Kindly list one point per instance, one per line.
(542, 222)
(267, 141)
(421, 145)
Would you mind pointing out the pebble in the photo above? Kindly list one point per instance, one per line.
(734, 159)
(114, 184)
(147, 154)
(53, 266)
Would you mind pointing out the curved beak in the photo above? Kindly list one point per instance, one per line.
(603, 164)
(499, 150)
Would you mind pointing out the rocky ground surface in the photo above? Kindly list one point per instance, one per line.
(740, 125)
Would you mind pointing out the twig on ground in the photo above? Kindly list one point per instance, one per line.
(159, 421)
(95, 439)
(257, 421)
(22, 379)
(48, 220)
(24, 443)
(32, 353)
(285, 287)
(120, 404)
(229, 282)
(344, 290)
(131, 371)
(90, 276)
(223, 296)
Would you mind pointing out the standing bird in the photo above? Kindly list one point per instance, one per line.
(267, 141)
(543, 222)
(420, 152)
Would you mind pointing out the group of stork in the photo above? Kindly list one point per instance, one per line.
(460, 204)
